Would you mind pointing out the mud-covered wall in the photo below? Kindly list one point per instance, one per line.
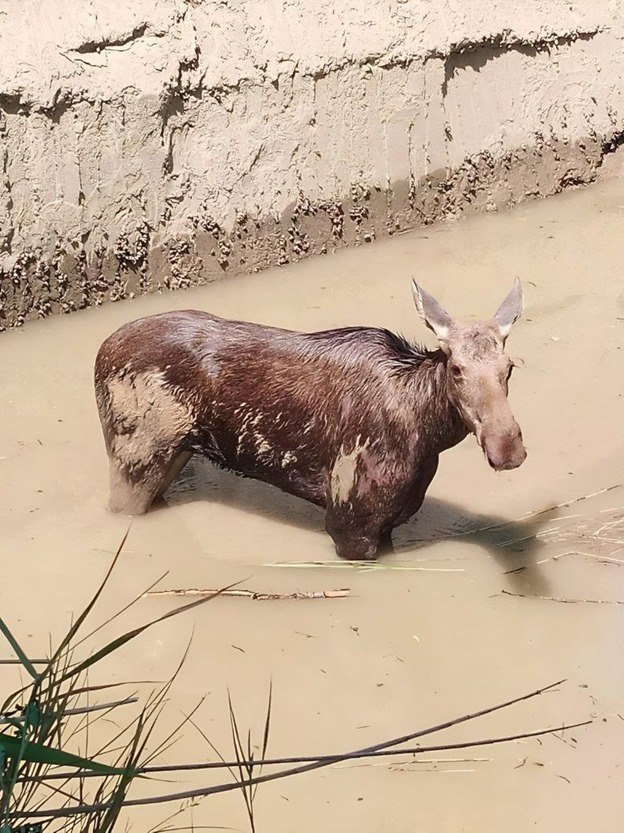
(166, 143)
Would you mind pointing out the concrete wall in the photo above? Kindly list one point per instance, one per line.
(166, 143)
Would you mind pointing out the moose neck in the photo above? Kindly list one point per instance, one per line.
(439, 423)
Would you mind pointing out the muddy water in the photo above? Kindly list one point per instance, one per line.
(464, 614)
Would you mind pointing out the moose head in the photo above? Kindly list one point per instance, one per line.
(478, 372)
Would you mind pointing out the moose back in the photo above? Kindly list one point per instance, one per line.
(350, 419)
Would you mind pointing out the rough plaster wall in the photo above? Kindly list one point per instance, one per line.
(169, 142)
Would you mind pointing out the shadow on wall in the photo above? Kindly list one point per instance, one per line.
(514, 545)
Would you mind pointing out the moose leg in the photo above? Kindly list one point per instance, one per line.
(174, 470)
(125, 496)
(353, 541)
(417, 494)
(134, 495)
(355, 547)
(385, 541)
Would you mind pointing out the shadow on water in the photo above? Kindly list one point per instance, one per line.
(514, 545)
(201, 481)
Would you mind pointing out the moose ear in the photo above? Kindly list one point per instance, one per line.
(434, 316)
(510, 310)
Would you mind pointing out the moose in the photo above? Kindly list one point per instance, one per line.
(352, 419)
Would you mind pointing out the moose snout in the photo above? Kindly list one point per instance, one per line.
(505, 451)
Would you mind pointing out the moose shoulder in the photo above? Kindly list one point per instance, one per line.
(350, 419)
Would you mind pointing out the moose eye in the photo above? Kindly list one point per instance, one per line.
(456, 371)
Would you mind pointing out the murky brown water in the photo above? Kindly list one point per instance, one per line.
(430, 632)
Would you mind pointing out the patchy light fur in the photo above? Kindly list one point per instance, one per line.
(142, 407)
(344, 472)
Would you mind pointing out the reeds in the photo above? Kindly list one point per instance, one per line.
(45, 786)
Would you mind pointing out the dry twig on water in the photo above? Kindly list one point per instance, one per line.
(256, 596)
(564, 601)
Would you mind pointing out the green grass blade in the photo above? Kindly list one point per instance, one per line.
(38, 753)
(20, 654)
(267, 725)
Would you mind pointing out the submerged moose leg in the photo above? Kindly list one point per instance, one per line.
(385, 542)
(145, 427)
(355, 534)
(174, 470)
(354, 547)
(134, 496)
(418, 491)
(359, 517)
(353, 541)
(127, 497)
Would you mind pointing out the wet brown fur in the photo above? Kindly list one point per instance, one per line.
(352, 420)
